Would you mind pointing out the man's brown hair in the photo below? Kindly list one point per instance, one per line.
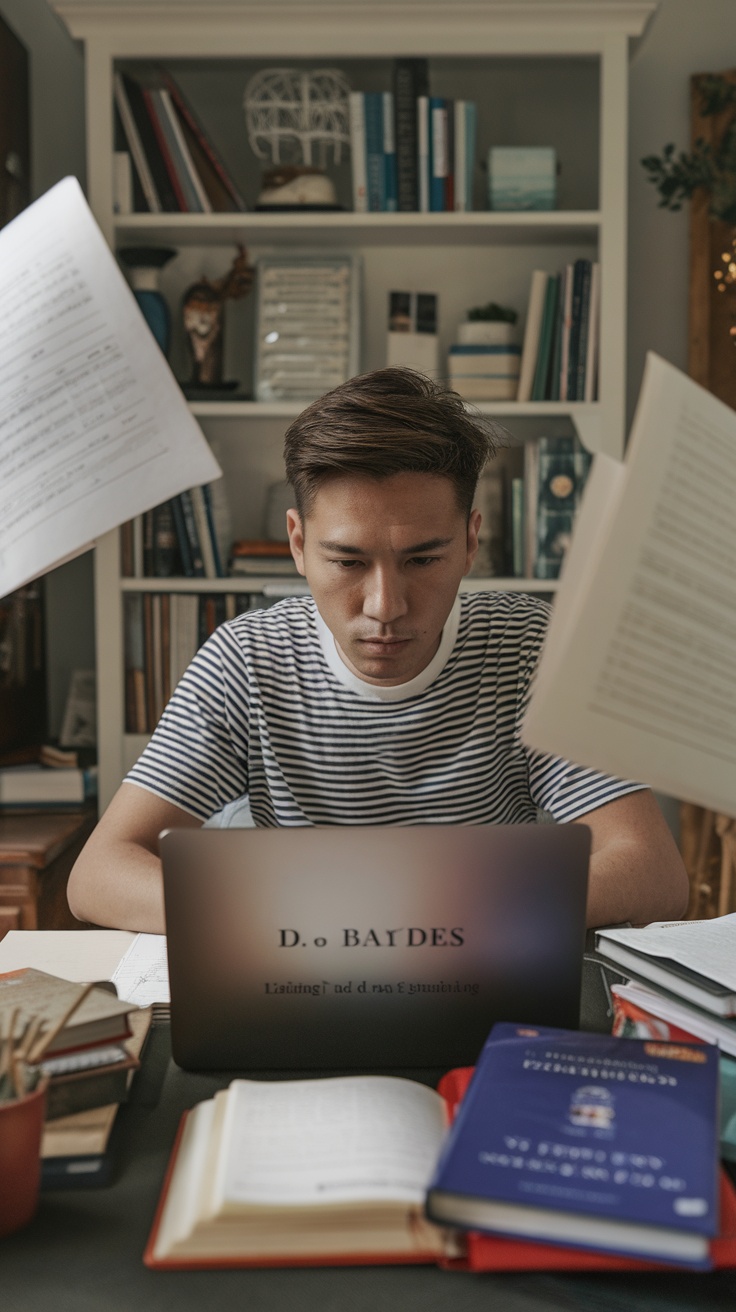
(391, 421)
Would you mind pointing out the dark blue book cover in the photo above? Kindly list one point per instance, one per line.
(374, 165)
(590, 1126)
(437, 153)
(581, 272)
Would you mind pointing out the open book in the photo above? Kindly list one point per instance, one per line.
(305, 1170)
(638, 673)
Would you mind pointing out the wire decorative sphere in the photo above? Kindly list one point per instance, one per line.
(289, 112)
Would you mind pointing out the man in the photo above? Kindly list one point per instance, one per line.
(384, 698)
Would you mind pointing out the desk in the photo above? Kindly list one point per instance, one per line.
(82, 1253)
(37, 852)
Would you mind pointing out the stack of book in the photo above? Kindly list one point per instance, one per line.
(254, 556)
(185, 536)
(681, 987)
(412, 151)
(559, 359)
(173, 165)
(71, 1035)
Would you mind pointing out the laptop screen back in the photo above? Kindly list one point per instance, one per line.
(369, 948)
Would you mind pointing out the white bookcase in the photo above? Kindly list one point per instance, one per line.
(542, 72)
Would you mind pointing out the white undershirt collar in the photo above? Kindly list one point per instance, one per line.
(400, 691)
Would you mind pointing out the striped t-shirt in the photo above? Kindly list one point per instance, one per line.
(267, 710)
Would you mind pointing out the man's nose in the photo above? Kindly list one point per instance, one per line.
(385, 598)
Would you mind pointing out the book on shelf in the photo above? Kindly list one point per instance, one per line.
(424, 154)
(358, 158)
(390, 168)
(636, 675)
(35, 785)
(532, 330)
(260, 556)
(561, 338)
(568, 1137)
(335, 1171)
(410, 80)
(562, 467)
(178, 168)
(545, 347)
(374, 148)
(439, 155)
(695, 959)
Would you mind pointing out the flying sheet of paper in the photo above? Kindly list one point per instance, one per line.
(142, 976)
(94, 428)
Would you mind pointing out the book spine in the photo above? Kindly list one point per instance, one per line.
(180, 528)
(156, 162)
(186, 112)
(166, 562)
(471, 137)
(374, 150)
(531, 493)
(391, 184)
(357, 152)
(180, 152)
(423, 158)
(517, 527)
(190, 525)
(566, 327)
(553, 391)
(178, 184)
(541, 372)
(590, 392)
(148, 665)
(410, 81)
(438, 153)
(450, 156)
(532, 328)
(157, 659)
(572, 361)
(135, 145)
(584, 330)
(203, 532)
(148, 532)
(209, 512)
(460, 157)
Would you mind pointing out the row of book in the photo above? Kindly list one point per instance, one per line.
(174, 166)
(411, 151)
(527, 520)
(163, 632)
(559, 359)
(187, 536)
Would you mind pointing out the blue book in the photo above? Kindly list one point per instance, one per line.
(438, 153)
(586, 1140)
(375, 177)
(390, 169)
(207, 498)
(471, 134)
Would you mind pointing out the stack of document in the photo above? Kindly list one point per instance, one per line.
(693, 959)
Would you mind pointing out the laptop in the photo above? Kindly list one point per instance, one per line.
(369, 948)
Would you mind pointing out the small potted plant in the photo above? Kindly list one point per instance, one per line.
(488, 325)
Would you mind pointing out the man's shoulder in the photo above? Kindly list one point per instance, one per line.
(290, 622)
(506, 614)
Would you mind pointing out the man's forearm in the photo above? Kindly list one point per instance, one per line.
(121, 887)
(620, 889)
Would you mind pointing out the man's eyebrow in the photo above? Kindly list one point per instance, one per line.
(341, 549)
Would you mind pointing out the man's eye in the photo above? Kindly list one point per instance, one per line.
(423, 560)
(347, 564)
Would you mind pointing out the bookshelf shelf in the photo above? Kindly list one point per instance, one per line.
(274, 587)
(346, 229)
(541, 71)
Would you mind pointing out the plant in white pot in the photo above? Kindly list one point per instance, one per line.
(488, 325)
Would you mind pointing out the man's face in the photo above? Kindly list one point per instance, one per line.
(384, 559)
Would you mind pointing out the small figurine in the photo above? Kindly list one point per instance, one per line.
(203, 315)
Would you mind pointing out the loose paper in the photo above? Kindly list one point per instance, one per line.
(94, 428)
(706, 946)
(142, 976)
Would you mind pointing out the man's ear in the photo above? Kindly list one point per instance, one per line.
(472, 544)
(295, 530)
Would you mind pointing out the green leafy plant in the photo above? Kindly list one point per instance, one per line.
(492, 313)
(677, 176)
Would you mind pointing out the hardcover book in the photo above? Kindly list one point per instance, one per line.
(581, 1138)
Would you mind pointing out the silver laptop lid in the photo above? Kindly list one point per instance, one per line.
(369, 948)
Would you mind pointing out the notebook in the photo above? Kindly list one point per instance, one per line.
(369, 948)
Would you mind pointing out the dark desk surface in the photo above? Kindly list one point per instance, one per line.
(82, 1253)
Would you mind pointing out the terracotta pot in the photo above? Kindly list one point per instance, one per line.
(21, 1127)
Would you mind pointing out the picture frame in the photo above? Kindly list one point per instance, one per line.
(307, 324)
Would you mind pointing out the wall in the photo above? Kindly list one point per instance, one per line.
(57, 149)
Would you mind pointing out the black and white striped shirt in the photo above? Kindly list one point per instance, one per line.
(268, 710)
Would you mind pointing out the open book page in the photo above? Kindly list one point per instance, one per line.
(94, 428)
(327, 1142)
(707, 946)
(642, 683)
(142, 975)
